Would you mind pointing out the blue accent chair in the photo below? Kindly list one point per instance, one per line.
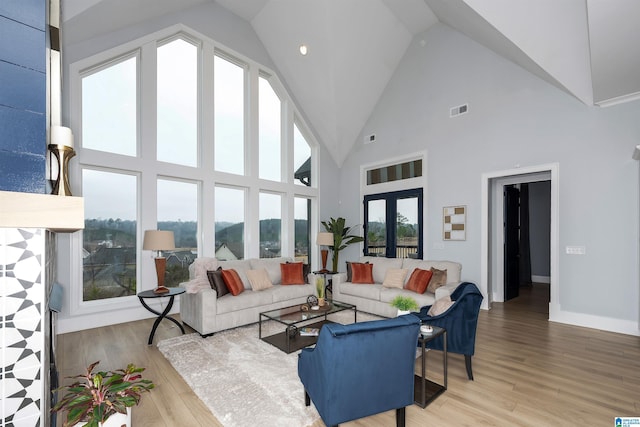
(361, 369)
(460, 321)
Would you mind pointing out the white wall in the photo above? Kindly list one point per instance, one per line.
(515, 119)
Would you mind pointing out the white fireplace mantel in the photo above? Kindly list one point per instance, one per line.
(31, 210)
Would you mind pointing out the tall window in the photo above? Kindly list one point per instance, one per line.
(178, 103)
(178, 212)
(270, 225)
(229, 83)
(109, 114)
(302, 228)
(301, 158)
(229, 223)
(203, 188)
(109, 264)
(269, 131)
(393, 225)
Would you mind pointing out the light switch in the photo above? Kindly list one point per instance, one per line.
(576, 250)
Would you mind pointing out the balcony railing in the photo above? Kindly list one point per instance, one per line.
(402, 251)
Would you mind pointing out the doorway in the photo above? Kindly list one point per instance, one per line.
(493, 232)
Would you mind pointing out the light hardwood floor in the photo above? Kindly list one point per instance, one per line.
(528, 372)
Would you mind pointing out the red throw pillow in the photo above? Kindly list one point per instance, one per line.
(233, 281)
(361, 273)
(419, 280)
(292, 273)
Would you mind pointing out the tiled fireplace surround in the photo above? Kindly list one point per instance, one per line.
(26, 269)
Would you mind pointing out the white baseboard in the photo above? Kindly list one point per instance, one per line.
(627, 327)
(101, 319)
(541, 279)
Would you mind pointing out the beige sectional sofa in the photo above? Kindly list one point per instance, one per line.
(375, 298)
(201, 308)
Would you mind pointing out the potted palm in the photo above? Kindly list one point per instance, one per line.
(341, 238)
(405, 305)
(102, 399)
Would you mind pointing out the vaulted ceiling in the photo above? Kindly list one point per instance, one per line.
(587, 48)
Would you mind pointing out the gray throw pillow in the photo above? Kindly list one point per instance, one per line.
(216, 282)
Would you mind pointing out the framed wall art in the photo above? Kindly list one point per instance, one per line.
(454, 223)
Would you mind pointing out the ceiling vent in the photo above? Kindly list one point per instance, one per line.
(369, 139)
(459, 110)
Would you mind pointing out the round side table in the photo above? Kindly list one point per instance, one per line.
(171, 295)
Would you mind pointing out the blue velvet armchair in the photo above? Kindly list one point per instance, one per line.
(361, 369)
(460, 320)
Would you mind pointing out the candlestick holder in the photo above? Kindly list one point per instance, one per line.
(62, 153)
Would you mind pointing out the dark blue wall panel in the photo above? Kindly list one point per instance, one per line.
(22, 172)
(29, 12)
(23, 95)
(22, 45)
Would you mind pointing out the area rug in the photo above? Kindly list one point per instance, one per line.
(243, 380)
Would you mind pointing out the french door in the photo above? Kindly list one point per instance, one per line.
(393, 224)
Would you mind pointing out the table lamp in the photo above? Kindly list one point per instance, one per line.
(324, 239)
(158, 240)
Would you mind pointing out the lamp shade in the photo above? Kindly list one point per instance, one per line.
(158, 240)
(324, 239)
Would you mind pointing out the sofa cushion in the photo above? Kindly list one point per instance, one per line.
(246, 300)
(453, 268)
(259, 279)
(439, 278)
(370, 292)
(233, 281)
(395, 278)
(419, 280)
(362, 273)
(240, 266)
(381, 265)
(292, 273)
(440, 306)
(217, 282)
(272, 265)
(287, 293)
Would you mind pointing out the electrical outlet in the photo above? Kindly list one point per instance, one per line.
(576, 250)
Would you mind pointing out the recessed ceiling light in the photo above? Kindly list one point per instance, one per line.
(303, 49)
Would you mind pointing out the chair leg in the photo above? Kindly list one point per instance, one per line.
(467, 362)
(400, 415)
(307, 399)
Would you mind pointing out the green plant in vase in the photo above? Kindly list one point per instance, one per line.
(404, 304)
(95, 397)
(320, 290)
(341, 238)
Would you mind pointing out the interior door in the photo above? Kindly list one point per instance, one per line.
(511, 242)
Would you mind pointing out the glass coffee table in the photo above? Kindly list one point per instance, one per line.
(294, 318)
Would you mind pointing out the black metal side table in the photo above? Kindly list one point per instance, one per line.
(424, 390)
(151, 294)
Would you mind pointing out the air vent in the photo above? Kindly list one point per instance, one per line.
(460, 109)
(369, 139)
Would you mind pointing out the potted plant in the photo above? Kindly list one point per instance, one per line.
(320, 289)
(405, 305)
(102, 399)
(341, 238)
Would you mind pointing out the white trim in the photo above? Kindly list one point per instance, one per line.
(610, 324)
(540, 279)
(402, 184)
(516, 173)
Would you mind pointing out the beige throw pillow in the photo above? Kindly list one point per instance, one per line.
(259, 279)
(394, 278)
(439, 278)
(440, 306)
